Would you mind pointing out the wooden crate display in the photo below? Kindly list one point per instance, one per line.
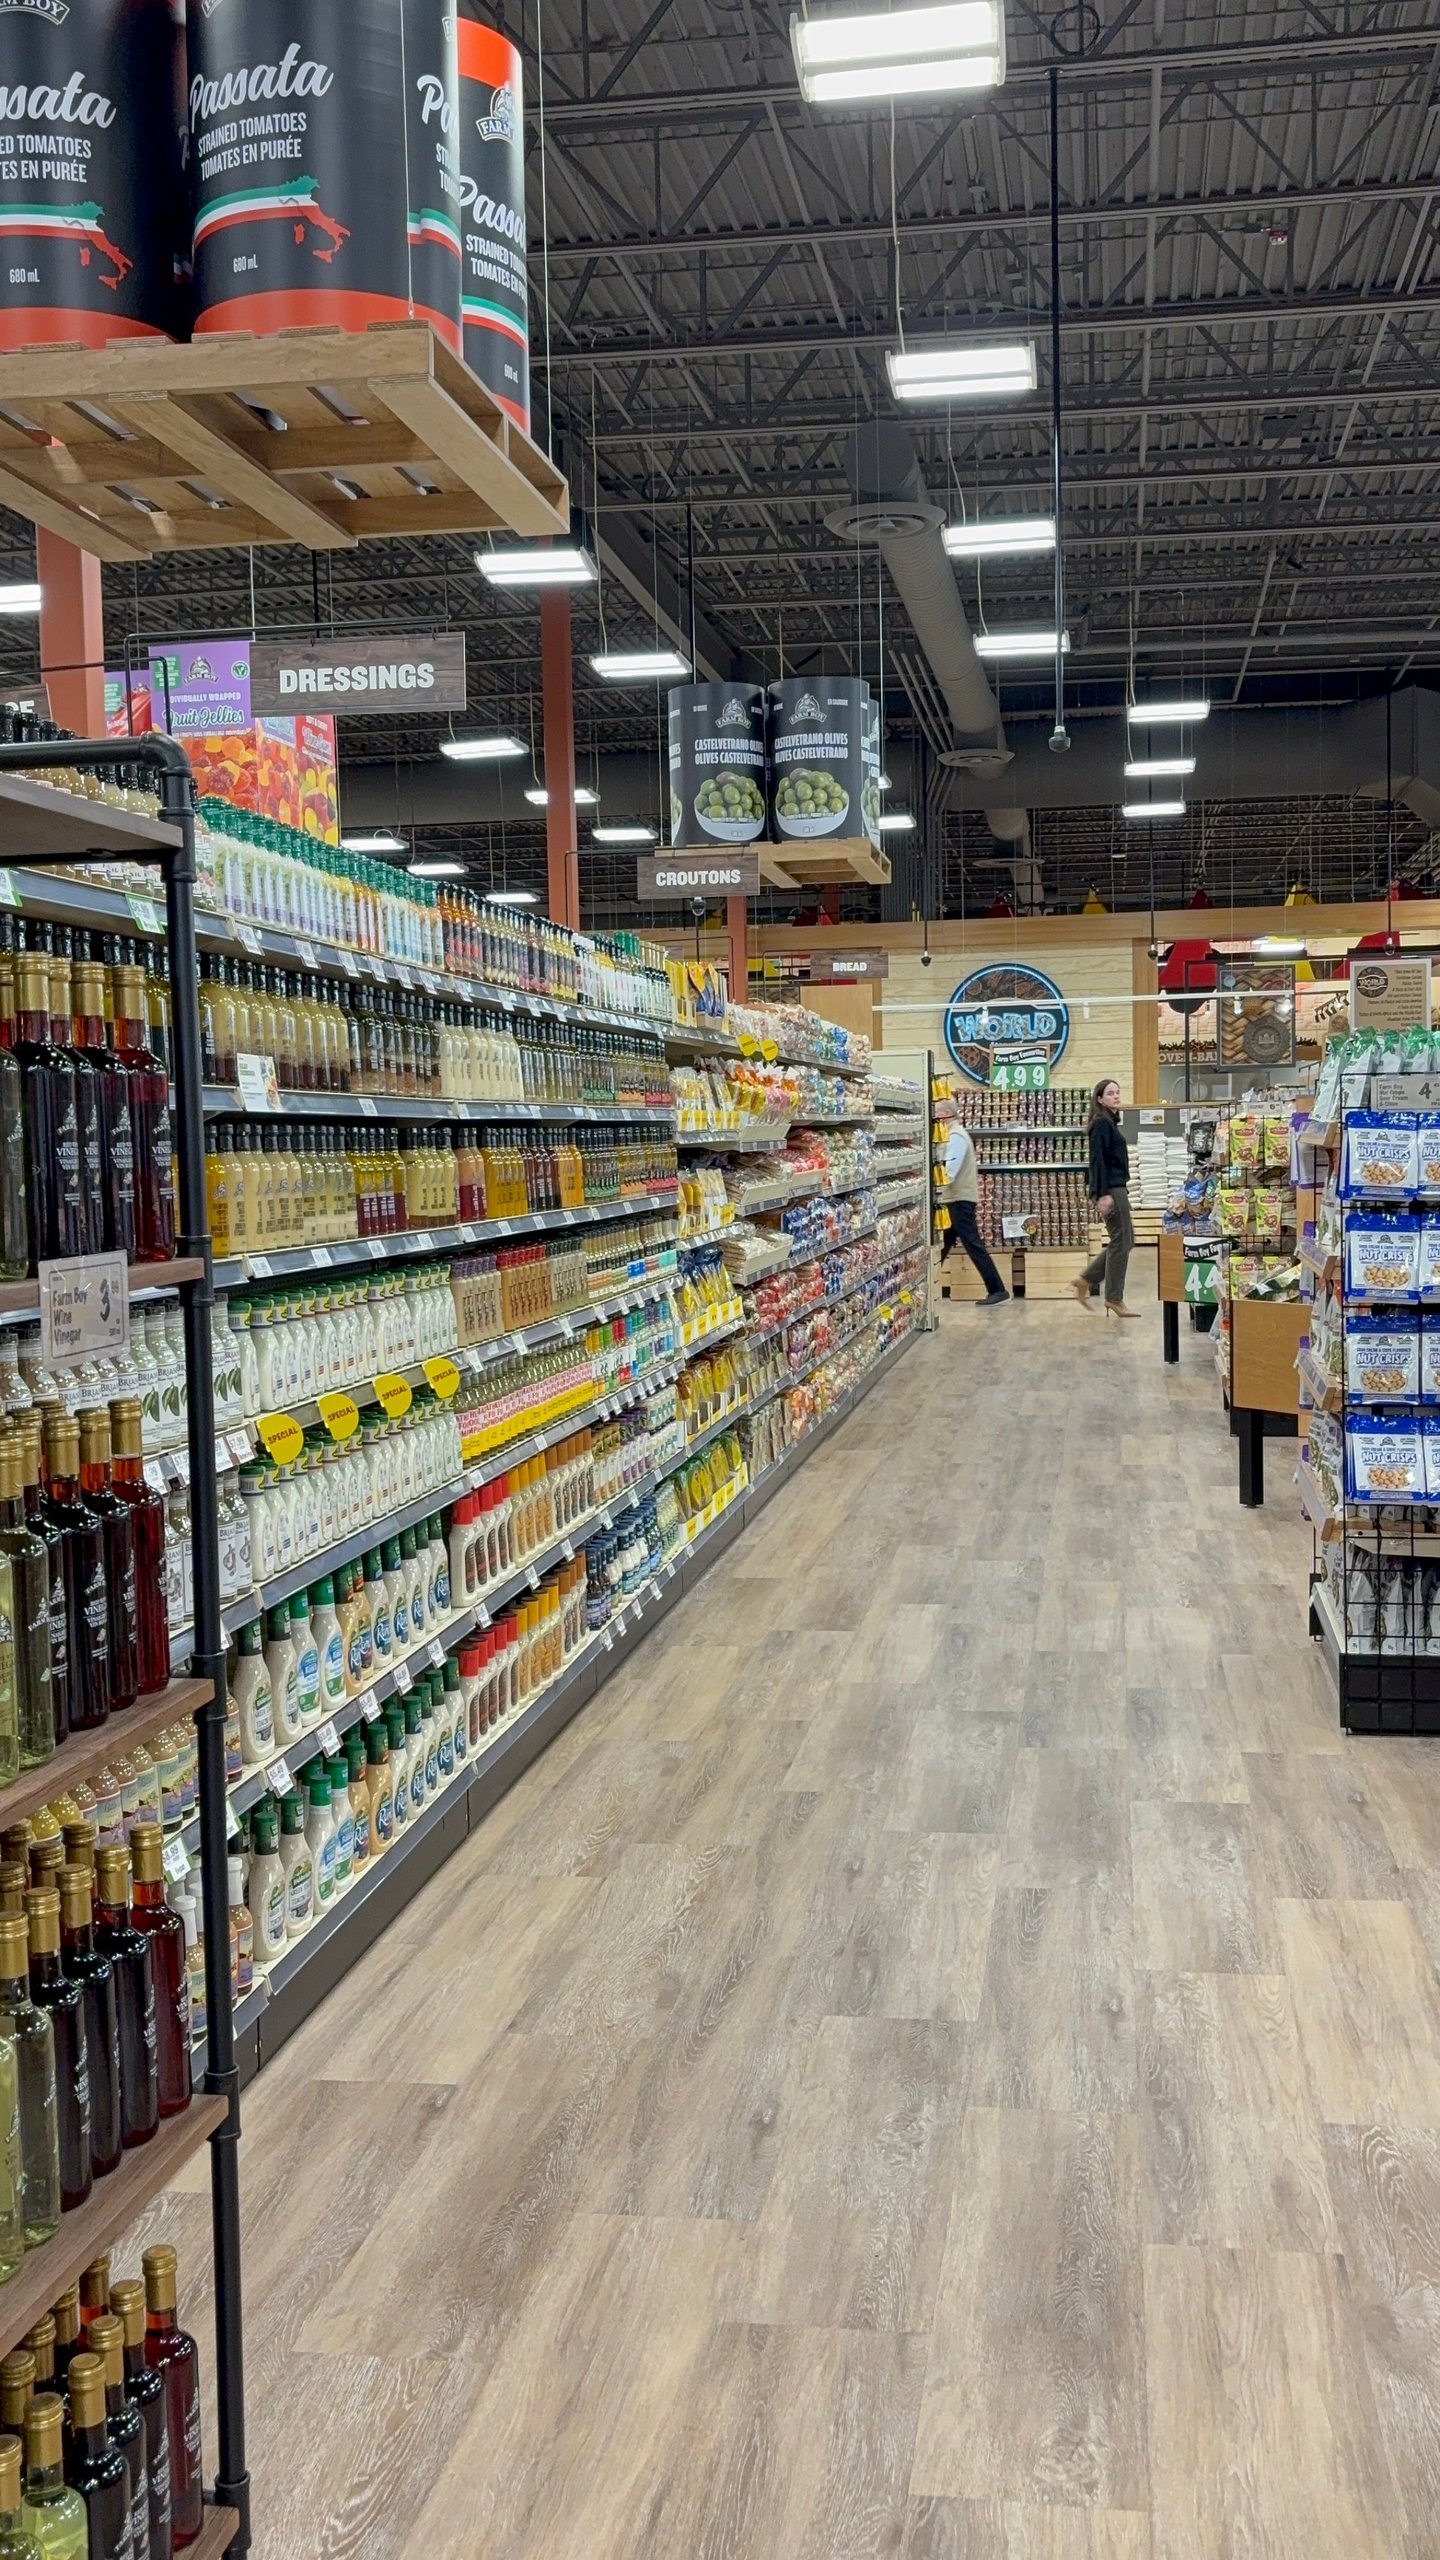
(822, 863)
(323, 437)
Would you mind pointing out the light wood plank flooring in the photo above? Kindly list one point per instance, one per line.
(942, 2059)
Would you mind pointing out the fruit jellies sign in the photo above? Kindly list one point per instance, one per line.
(325, 148)
(280, 768)
(91, 202)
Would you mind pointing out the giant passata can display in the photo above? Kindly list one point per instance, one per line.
(324, 142)
(494, 286)
(89, 171)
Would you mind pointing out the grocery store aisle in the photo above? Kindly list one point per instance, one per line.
(941, 2059)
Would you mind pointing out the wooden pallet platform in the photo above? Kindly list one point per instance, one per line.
(822, 861)
(323, 437)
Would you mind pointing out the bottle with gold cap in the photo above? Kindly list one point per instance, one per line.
(84, 1963)
(65, 2312)
(17, 2390)
(14, 1199)
(165, 1930)
(52, 1135)
(129, 1951)
(41, 2342)
(14, 1885)
(29, 1570)
(94, 2291)
(145, 2392)
(97, 2470)
(28, 2030)
(44, 1528)
(67, 1034)
(117, 1522)
(172, 2353)
(106, 2339)
(94, 1055)
(16, 2540)
(147, 1512)
(9, 1677)
(64, 2003)
(51, 2511)
(148, 1081)
(12, 2169)
(87, 1600)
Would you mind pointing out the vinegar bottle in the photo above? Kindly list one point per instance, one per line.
(17, 2542)
(147, 1515)
(97, 2470)
(96, 1977)
(128, 1949)
(173, 2354)
(87, 1605)
(151, 1133)
(166, 1933)
(28, 1561)
(51, 1989)
(32, 2035)
(105, 2338)
(145, 2392)
(117, 1522)
(51, 2512)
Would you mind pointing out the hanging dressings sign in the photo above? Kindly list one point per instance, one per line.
(717, 764)
(495, 299)
(91, 117)
(400, 674)
(326, 165)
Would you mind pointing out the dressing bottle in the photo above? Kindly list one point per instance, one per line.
(284, 1676)
(267, 1890)
(242, 1932)
(307, 1662)
(299, 1866)
(329, 1641)
(254, 1698)
(337, 1773)
(381, 1786)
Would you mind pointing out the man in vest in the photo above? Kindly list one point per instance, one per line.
(961, 1196)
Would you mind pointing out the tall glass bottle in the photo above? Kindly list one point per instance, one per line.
(9, 1676)
(117, 1521)
(94, 2296)
(145, 2391)
(52, 1134)
(112, 1084)
(65, 2311)
(29, 1567)
(12, 2160)
(17, 2390)
(106, 2339)
(97, 2470)
(41, 2342)
(87, 1601)
(30, 2031)
(147, 1511)
(95, 1974)
(17, 2542)
(173, 2354)
(14, 1197)
(65, 2001)
(88, 1110)
(38, 1519)
(129, 1951)
(165, 1930)
(153, 1139)
(51, 2512)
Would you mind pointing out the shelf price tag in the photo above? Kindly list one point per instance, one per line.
(282, 1436)
(444, 1377)
(257, 1082)
(277, 1778)
(404, 1679)
(84, 1306)
(394, 1394)
(145, 914)
(248, 938)
(328, 1739)
(305, 954)
(9, 894)
(349, 964)
(258, 1266)
(176, 1860)
(436, 1653)
(340, 1415)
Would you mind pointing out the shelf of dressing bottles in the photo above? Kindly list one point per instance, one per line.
(235, 1271)
(397, 1679)
(83, 1754)
(20, 1299)
(226, 1101)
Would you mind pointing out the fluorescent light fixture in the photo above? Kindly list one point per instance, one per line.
(961, 373)
(633, 666)
(622, 835)
(1158, 768)
(557, 564)
(513, 898)
(1177, 714)
(895, 822)
(437, 869)
(1018, 644)
(480, 750)
(1281, 946)
(1153, 809)
(372, 844)
(858, 55)
(539, 797)
(994, 537)
(20, 599)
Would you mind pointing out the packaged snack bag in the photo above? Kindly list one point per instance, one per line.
(1380, 1156)
(1427, 1261)
(1396, 1612)
(1277, 1143)
(1385, 1458)
(1427, 1143)
(1382, 1357)
(1361, 1601)
(1382, 1255)
(1247, 1140)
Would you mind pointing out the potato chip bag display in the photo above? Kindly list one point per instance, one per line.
(1247, 1140)
(1385, 1458)
(1382, 1357)
(1277, 1143)
(1382, 1256)
(1380, 1156)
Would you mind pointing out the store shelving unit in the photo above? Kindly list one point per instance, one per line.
(39, 825)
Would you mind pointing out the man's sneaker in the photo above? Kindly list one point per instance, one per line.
(996, 1298)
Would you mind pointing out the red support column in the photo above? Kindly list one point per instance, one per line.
(737, 926)
(72, 634)
(557, 679)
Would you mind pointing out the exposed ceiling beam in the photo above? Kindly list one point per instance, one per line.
(1186, 399)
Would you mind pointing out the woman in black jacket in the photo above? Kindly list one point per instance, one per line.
(1109, 1188)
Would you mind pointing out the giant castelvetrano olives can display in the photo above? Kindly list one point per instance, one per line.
(817, 727)
(495, 293)
(325, 154)
(90, 160)
(717, 764)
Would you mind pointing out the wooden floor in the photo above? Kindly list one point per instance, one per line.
(942, 2059)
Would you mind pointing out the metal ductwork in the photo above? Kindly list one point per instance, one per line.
(893, 510)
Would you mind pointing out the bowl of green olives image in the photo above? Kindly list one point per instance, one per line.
(730, 806)
(810, 803)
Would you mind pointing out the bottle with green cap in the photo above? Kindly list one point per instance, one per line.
(254, 1698)
(382, 1786)
(329, 1639)
(452, 1721)
(320, 1833)
(412, 1565)
(415, 1744)
(284, 1676)
(307, 1662)
(299, 1866)
(438, 1594)
(398, 1586)
(337, 1771)
(358, 1772)
(377, 1592)
(395, 1721)
(266, 1891)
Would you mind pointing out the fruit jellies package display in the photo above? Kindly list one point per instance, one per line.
(717, 764)
(1382, 1255)
(1382, 1357)
(1381, 1155)
(1385, 1458)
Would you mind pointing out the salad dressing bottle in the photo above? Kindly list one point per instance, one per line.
(268, 1890)
(254, 1697)
(307, 1662)
(299, 1865)
(329, 1640)
(284, 1675)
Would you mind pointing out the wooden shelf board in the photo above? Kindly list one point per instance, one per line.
(400, 402)
(110, 2208)
(22, 1297)
(821, 860)
(84, 1753)
(216, 2534)
(37, 819)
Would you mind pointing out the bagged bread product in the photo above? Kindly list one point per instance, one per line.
(1382, 1255)
(1380, 1157)
(1382, 1357)
(1385, 1458)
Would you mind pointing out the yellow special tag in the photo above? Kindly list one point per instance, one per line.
(282, 1436)
(749, 1045)
(340, 1415)
(395, 1394)
(769, 1051)
(444, 1377)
